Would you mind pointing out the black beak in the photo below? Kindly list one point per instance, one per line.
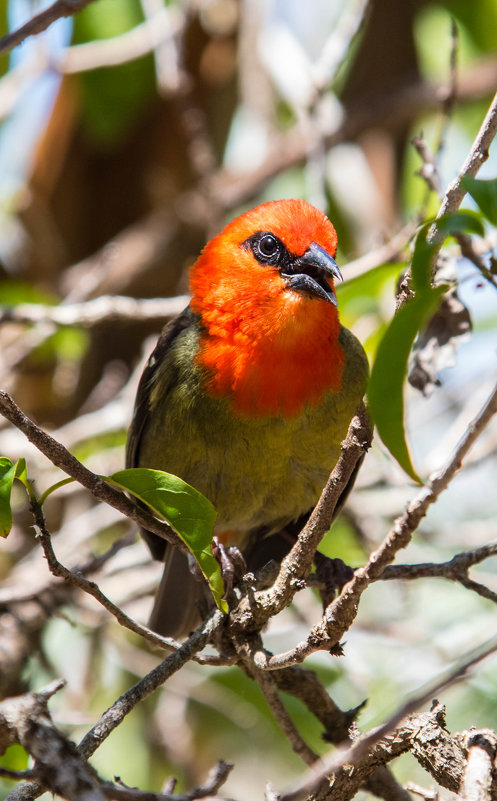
(314, 273)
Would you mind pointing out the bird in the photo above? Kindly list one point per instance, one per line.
(249, 391)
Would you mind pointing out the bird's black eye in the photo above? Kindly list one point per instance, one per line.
(267, 248)
(268, 245)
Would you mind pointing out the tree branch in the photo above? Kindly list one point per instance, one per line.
(455, 569)
(340, 613)
(105, 308)
(477, 780)
(61, 457)
(154, 679)
(370, 743)
(255, 609)
(91, 587)
(245, 648)
(40, 22)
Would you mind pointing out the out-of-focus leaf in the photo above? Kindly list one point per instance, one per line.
(484, 193)
(15, 758)
(8, 472)
(186, 510)
(67, 344)
(479, 20)
(14, 292)
(361, 294)
(385, 390)
(114, 97)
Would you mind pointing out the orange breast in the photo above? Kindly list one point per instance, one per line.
(273, 353)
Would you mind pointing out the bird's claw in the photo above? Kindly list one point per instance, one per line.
(232, 564)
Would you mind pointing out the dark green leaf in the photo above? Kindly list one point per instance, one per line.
(385, 391)
(187, 511)
(484, 193)
(114, 99)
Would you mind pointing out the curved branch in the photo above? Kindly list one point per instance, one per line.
(40, 22)
(61, 457)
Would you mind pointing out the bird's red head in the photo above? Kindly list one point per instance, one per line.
(264, 290)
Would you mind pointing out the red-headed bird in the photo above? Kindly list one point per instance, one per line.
(249, 392)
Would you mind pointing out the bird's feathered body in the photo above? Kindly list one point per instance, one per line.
(249, 393)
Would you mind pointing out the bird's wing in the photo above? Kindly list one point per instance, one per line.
(142, 402)
(175, 609)
(141, 414)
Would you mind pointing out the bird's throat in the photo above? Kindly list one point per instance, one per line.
(277, 364)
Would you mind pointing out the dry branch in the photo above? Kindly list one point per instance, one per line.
(61, 457)
(455, 192)
(455, 569)
(92, 312)
(255, 610)
(91, 587)
(26, 720)
(40, 22)
(149, 683)
(444, 759)
(60, 766)
(160, 27)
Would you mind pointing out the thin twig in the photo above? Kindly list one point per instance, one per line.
(217, 777)
(455, 569)
(429, 171)
(154, 679)
(341, 612)
(24, 594)
(61, 457)
(40, 22)
(91, 587)
(255, 609)
(92, 312)
(245, 648)
(455, 192)
(476, 157)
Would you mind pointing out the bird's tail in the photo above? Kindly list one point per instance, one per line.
(176, 613)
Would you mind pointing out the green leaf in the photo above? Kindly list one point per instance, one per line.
(189, 513)
(385, 390)
(8, 472)
(114, 99)
(484, 193)
(424, 251)
(15, 758)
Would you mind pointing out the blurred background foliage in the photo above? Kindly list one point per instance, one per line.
(112, 179)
